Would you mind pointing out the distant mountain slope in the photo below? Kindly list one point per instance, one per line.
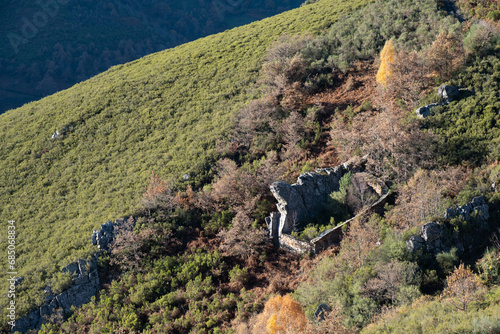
(162, 113)
(50, 45)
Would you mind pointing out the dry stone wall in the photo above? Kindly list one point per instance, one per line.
(305, 199)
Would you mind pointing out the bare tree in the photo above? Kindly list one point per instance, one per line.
(158, 194)
(129, 246)
(242, 240)
(462, 287)
(293, 130)
(360, 194)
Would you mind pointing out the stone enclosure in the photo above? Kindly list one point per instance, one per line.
(306, 198)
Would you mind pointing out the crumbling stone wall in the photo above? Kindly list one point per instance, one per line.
(306, 198)
(294, 245)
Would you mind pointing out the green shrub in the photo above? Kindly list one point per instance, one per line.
(469, 126)
(489, 267)
(238, 275)
(447, 260)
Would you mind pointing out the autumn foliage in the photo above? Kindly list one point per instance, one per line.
(424, 196)
(158, 194)
(281, 315)
(462, 287)
(156, 186)
(386, 58)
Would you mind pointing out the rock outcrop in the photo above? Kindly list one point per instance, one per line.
(437, 237)
(446, 93)
(85, 281)
(321, 311)
(104, 237)
(477, 205)
(425, 111)
(85, 286)
(307, 197)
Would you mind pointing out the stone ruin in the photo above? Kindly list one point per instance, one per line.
(305, 199)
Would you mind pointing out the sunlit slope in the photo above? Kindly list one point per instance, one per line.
(162, 113)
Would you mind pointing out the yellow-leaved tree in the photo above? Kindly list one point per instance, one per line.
(281, 315)
(386, 58)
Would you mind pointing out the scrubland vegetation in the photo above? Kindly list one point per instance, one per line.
(164, 113)
(198, 260)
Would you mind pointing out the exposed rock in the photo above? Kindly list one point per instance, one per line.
(448, 92)
(437, 237)
(425, 111)
(104, 237)
(18, 280)
(306, 197)
(85, 282)
(71, 269)
(321, 312)
(59, 134)
(431, 231)
(85, 285)
(449, 213)
(56, 135)
(32, 320)
(477, 205)
(415, 243)
(290, 205)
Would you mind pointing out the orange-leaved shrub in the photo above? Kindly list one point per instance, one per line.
(462, 287)
(281, 315)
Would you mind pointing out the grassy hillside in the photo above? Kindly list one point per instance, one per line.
(51, 45)
(162, 113)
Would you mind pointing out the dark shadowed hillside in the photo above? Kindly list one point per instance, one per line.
(50, 45)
